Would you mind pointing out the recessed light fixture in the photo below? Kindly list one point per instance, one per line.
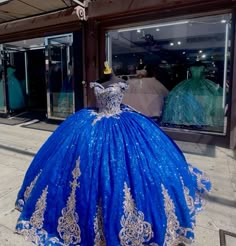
(138, 30)
(4, 1)
(171, 44)
(158, 29)
(153, 26)
(179, 43)
(200, 51)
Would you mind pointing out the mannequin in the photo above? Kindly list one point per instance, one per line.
(108, 77)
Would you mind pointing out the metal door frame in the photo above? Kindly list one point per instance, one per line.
(47, 64)
(4, 79)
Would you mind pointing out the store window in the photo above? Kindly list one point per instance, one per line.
(178, 72)
(37, 75)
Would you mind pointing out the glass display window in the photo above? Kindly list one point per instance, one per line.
(178, 72)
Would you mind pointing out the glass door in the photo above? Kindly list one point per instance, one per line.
(15, 78)
(59, 76)
(12, 79)
(3, 107)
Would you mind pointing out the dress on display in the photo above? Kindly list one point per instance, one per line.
(15, 91)
(2, 104)
(65, 100)
(146, 95)
(110, 176)
(196, 101)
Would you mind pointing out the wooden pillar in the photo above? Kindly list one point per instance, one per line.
(91, 45)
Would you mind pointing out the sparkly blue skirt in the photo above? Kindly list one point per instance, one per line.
(110, 180)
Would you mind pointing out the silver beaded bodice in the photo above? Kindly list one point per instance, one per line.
(110, 98)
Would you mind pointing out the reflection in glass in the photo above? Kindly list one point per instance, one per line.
(60, 76)
(15, 84)
(145, 92)
(190, 59)
(196, 101)
(15, 90)
(25, 75)
(2, 103)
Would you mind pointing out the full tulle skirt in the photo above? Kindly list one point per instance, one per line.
(110, 180)
(195, 103)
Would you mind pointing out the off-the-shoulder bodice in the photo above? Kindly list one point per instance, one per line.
(110, 98)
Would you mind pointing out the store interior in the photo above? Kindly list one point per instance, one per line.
(38, 76)
(187, 65)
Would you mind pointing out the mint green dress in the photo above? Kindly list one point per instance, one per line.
(1, 96)
(195, 102)
(15, 91)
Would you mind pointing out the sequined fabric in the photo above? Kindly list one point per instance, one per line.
(110, 177)
(108, 99)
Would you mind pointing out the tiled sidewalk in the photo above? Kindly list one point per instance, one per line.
(18, 145)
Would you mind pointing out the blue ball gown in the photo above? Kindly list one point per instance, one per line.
(110, 177)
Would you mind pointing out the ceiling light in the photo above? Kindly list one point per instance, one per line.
(200, 51)
(179, 43)
(203, 56)
(138, 30)
(171, 44)
(157, 29)
(223, 21)
(153, 26)
(183, 52)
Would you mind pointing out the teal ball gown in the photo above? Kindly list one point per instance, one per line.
(195, 102)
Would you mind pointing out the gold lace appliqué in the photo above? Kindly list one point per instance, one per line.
(135, 231)
(32, 228)
(68, 227)
(189, 200)
(38, 216)
(30, 187)
(99, 239)
(172, 224)
(21, 202)
(183, 231)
